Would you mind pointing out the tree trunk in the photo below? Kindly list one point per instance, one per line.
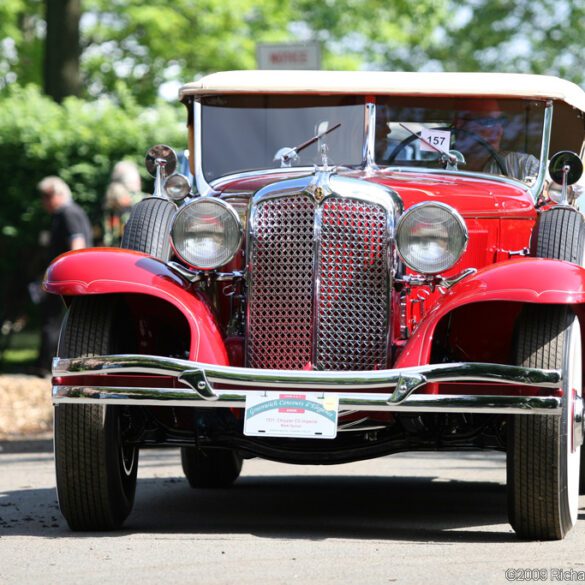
(62, 50)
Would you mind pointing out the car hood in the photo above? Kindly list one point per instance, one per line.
(472, 196)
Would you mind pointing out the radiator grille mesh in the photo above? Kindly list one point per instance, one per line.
(353, 293)
(279, 321)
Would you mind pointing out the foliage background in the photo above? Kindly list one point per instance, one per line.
(78, 140)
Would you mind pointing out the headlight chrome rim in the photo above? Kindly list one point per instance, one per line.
(416, 208)
(226, 207)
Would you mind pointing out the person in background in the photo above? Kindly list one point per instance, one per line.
(489, 126)
(70, 230)
(124, 191)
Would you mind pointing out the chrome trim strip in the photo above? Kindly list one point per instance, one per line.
(427, 403)
(372, 197)
(203, 187)
(370, 135)
(536, 189)
(325, 188)
(201, 376)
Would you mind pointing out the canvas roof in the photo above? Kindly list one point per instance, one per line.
(498, 85)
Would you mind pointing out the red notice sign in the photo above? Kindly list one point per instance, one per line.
(289, 56)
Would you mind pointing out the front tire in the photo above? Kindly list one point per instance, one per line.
(543, 460)
(560, 234)
(96, 470)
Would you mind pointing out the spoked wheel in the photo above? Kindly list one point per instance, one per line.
(211, 468)
(544, 451)
(96, 466)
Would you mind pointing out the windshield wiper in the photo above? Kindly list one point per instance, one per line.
(286, 155)
(446, 157)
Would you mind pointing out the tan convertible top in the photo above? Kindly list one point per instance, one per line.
(502, 85)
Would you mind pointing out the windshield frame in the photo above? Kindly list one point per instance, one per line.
(368, 158)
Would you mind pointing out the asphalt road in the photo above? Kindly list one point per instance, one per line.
(404, 519)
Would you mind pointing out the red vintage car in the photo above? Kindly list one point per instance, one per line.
(367, 263)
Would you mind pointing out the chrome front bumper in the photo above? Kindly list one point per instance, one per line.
(382, 390)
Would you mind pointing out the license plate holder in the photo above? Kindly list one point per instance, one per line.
(291, 414)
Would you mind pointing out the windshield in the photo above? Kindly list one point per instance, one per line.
(251, 132)
(499, 137)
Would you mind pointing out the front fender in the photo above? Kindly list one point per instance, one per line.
(99, 271)
(522, 280)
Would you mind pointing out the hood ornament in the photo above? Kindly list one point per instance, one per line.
(320, 186)
(319, 194)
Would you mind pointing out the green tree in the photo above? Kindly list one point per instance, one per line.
(140, 46)
(523, 36)
(22, 28)
(143, 46)
(146, 46)
(165, 42)
(371, 33)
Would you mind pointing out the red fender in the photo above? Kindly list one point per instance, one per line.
(98, 271)
(522, 280)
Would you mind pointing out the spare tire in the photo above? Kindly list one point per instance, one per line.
(149, 227)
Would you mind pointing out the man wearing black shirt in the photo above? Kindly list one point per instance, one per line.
(70, 230)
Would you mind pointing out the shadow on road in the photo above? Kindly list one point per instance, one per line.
(314, 507)
(27, 446)
(291, 507)
(321, 507)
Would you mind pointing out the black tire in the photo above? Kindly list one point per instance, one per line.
(560, 234)
(96, 473)
(149, 227)
(542, 462)
(211, 468)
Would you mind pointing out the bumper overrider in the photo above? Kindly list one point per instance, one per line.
(91, 380)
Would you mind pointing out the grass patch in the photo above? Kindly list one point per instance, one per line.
(21, 353)
(19, 356)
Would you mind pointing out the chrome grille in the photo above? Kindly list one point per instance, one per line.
(353, 296)
(281, 287)
(350, 304)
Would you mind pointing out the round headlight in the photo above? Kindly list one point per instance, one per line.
(431, 237)
(206, 233)
(177, 187)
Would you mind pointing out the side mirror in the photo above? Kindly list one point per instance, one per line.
(565, 168)
(161, 162)
(162, 157)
